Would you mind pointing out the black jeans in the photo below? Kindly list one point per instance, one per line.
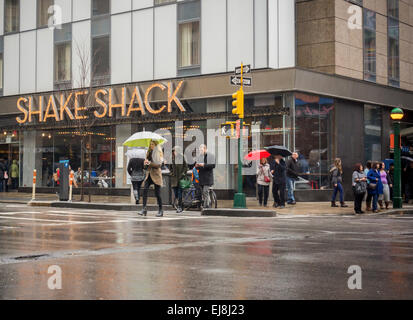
(358, 199)
(278, 192)
(368, 200)
(137, 189)
(148, 182)
(263, 191)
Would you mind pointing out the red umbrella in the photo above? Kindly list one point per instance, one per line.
(257, 155)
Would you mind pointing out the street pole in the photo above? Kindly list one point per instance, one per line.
(397, 196)
(240, 201)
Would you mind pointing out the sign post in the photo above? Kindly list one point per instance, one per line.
(34, 184)
(240, 198)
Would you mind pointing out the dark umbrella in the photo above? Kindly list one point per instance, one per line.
(407, 158)
(279, 150)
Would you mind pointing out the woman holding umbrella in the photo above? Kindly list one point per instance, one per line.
(263, 174)
(153, 161)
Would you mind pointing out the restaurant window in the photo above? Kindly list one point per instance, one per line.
(393, 43)
(62, 54)
(189, 37)
(11, 16)
(101, 50)
(100, 7)
(358, 2)
(1, 65)
(314, 132)
(42, 12)
(369, 35)
(372, 133)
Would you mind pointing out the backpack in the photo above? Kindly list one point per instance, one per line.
(195, 175)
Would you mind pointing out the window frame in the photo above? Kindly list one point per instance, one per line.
(365, 28)
(58, 84)
(38, 26)
(2, 64)
(390, 80)
(4, 19)
(195, 67)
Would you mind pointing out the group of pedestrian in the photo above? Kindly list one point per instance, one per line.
(283, 176)
(148, 171)
(9, 175)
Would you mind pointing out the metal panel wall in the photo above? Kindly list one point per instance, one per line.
(140, 4)
(118, 6)
(121, 48)
(1, 17)
(273, 34)
(142, 45)
(66, 9)
(213, 36)
(28, 62)
(44, 60)
(240, 33)
(11, 64)
(165, 55)
(260, 34)
(287, 33)
(81, 9)
(28, 15)
(81, 51)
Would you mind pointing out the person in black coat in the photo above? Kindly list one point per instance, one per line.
(135, 170)
(206, 165)
(279, 172)
(293, 170)
(3, 169)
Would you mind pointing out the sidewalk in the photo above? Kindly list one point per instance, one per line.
(301, 208)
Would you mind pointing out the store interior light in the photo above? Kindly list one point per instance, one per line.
(397, 114)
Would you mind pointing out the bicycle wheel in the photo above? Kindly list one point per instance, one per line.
(214, 200)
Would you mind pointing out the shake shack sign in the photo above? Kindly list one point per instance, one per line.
(101, 103)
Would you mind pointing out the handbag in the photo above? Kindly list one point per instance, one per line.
(267, 179)
(360, 188)
(185, 183)
(6, 176)
(372, 186)
(138, 175)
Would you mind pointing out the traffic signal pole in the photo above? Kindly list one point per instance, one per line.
(239, 198)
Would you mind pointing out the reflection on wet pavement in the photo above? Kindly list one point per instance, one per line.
(119, 255)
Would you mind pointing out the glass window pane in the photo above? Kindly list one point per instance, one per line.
(63, 34)
(12, 16)
(42, 14)
(1, 71)
(100, 7)
(393, 52)
(101, 26)
(372, 133)
(100, 56)
(188, 11)
(189, 44)
(369, 45)
(393, 8)
(63, 62)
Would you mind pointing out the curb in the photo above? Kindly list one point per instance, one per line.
(95, 206)
(239, 213)
(13, 201)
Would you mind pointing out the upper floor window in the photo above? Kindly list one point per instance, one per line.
(11, 16)
(1, 65)
(63, 54)
(163, 1)
(369, 45)
(42, 12)
(393, 42)
(101, 50)
(100, 7)
(189, 34)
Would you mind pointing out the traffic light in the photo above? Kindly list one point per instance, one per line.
(238, 103)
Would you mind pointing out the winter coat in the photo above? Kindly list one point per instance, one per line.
(358, 175)
(178, 172)
(14, 169)
(336, 176)
(388, 177)
(135, 168)
(3, 169)
(263, 171)
(280, 172)
(206, 173)
(293, 169)
(374, 177)
(154, 169)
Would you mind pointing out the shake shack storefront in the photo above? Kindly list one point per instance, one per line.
(88, 127)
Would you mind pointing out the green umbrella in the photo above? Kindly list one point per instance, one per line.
(143, 139)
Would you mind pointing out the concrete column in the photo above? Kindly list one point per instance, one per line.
(123, 132)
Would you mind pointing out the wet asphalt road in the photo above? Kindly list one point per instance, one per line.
(118, 255)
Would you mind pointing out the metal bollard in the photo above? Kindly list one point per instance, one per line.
(70, 185)
(34, 184)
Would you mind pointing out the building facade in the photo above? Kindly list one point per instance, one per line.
(79, 77)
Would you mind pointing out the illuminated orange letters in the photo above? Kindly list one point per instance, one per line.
(64, 108)
(39, 112)
(51, 104)
(77, 107)
(148, 91)
(136, 95)
(120, 105)
(22, 109)
(102, 103)
(174, 98)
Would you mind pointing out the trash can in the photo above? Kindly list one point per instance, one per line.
(64, 181)
(166, 191)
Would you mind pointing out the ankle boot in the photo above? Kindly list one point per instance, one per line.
(160, 213)
(333, 204)
(343, 205)
(387, 204)
(381, 204)
(143, 212)
(368, 207)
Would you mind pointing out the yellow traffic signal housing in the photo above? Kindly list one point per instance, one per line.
(238, 103)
